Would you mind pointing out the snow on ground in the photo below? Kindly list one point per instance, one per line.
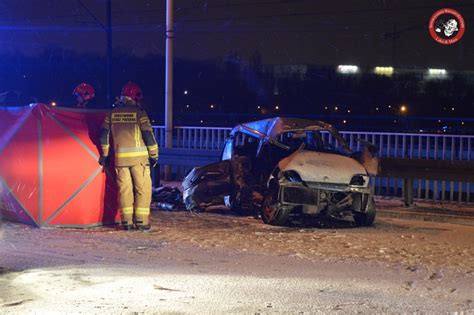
(221, 263)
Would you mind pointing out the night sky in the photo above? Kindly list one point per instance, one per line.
(283, 32)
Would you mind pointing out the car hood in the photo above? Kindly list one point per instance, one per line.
(322, 167)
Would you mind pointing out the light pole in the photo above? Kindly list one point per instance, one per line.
(109, 52)
(169, 82)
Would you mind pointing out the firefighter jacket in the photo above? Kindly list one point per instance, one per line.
(131, 133)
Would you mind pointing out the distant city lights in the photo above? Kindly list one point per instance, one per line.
(403, 108)
(437, 73)
(452, 108)
(259, 107)
(187, 106)
(277, 107)
(349, 111)
(344, 121)
(53, 103)
(347, 69)
(388, 71)
(336, 108)
(211, 106)
(186, 92)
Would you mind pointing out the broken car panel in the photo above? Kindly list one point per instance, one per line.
(284, 167)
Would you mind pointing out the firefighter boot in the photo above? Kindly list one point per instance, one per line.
(144, 228)
(128, 227)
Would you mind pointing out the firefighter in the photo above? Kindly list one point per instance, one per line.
(135, 147)
(84, 93)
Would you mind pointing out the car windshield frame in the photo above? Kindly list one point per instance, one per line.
(271, 129)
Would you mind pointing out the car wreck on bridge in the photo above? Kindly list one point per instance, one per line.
(285, 167)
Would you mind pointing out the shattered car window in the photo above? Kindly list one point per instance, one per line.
(308, 140)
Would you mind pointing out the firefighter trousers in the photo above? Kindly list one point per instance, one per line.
(134, 193)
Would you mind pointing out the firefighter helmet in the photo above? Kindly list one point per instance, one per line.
(85, 91)
(133, 91)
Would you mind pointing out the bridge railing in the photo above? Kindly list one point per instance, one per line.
(395, 145)
(202, 138)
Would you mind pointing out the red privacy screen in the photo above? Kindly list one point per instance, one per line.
(49, 175)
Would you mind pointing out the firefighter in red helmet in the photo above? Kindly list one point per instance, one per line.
(84, 93)
(133, 91)
(135, 147)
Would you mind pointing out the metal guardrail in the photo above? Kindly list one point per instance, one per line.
(391, 145)
(437, 170)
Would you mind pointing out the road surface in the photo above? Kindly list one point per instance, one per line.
(219, 263)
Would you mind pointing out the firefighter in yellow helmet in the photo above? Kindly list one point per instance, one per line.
(135, 147)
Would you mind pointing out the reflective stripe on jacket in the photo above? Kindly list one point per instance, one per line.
(132, 136)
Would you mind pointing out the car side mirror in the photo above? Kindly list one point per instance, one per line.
(372, 148)
(368, 157)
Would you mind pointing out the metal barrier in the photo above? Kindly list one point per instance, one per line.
(393, 145)
(420, 146)
(438, 170)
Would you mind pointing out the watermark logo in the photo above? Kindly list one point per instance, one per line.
(447, 26)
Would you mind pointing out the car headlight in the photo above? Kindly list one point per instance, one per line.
(293, 176)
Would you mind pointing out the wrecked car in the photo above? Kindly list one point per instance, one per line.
(285, 167)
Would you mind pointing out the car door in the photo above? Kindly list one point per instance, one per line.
(207, 185)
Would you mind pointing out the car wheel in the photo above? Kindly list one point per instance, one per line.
(273, 212)
(366, 218)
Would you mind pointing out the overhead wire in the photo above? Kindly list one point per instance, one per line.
(91, 14)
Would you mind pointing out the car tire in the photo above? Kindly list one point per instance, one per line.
(366, 218)
(272, 212)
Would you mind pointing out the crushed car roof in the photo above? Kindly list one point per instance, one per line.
(272, 127)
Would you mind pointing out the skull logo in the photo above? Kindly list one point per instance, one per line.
(450, 27)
